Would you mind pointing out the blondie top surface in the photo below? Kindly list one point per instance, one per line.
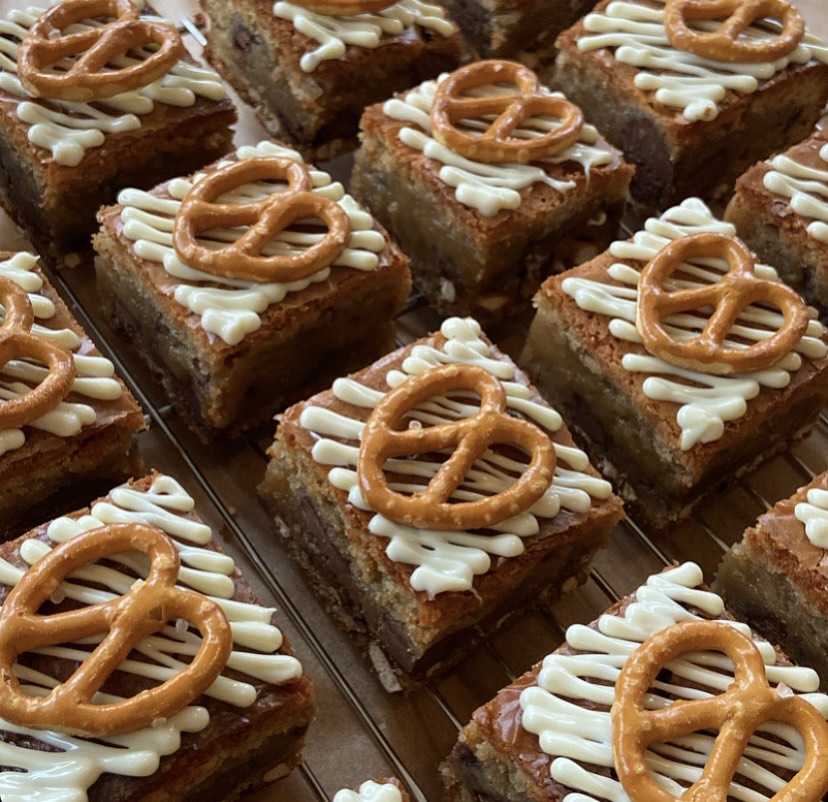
(444, 567)
(227, 313)
(627, 42)
(489, 198)
(793, 187)
(96, 399)
(261, 677)
(793, 534)
(699, 412)
(554, 722)
(328, 43)
(62, 133)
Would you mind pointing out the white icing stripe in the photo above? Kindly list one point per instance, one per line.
(165, 505)
(490, 187)
(705, 402)
(681, 80)
(68, 129)
(94, 374)
(231, 308)
(574, 735)
(813, 514)
(805, 187)
(335, 33)
(370, 791)
(449, 561)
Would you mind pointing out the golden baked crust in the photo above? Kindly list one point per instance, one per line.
(304, 340)
(238, 748)
(468, 263)
(676, 157)
(48, 463)
(577, 363)
(415, 628)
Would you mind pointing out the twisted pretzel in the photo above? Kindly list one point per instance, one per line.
(17, 342)
(497, 143)
(725, 44)
(45, 45)
(145, 609)
(470, 437)
(345, 8)
(735, 714)
(738, 288)
(200, 211)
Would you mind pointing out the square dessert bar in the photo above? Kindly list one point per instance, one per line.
(482, 234)
(549, 734)
(310, 73)
(689, 123)
(780, 209)
(60, 159)
(775, 578)
(230, 351)
(657, 419)
(415, 582)
(244, 731)
(51, 457)
(523, 29)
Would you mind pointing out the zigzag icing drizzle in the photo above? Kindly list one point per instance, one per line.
(813, 514)
(575, 735)
(95, 374)
(232, 308)
(335, 33)
(678, 79)
(449, 561)
(67, 774)
(705, 401)
(69, 129)
(806, 187)
(490, 187)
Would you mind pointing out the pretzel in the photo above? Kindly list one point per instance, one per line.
(470, 437)
(17, 342)
(345, 8)
(497, 143)
(738, 288)
(725, 44)
(46, 44)
(200, 211)
(145, 609)
(734, 714)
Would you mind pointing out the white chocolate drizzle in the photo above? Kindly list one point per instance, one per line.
(489, 188)
(813, 515)
(68, 129)
(705, 402)
(227, 307)
(678, 79)
(67, 774)
(806, 189)
(575, 735)
(449, 561)
(95, 375)
(370, 30)
(370, 791)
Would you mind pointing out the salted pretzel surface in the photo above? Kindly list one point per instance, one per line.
(709, 351)
(727, 43)
(92, 75)
(18, 342)
(345, 8)
(467, 439)
(497, 141)
(747, 704)
(202, 210)
(123, 621)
